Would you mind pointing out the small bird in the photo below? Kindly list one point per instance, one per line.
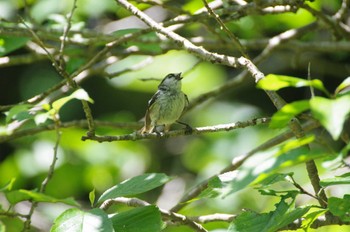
(166, 105)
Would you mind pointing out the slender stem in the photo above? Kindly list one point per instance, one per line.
(49, 175)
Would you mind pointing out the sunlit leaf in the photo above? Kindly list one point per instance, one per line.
(311, 217)
(92, 197)
(41, 118)
(22, 195)
(274, 178)
(331, 113)
(143, 219)
(277, 82)
(135, 185)
(281, 118)
(57, 105)
(343, 179)
(344, 87)
(79, 94)
(340, 207)
(216, 187)
(76, 220)
(8, 185)
(296, 143)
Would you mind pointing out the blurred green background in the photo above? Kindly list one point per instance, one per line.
(84, 166)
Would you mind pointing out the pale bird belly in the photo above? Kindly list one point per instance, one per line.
(171, 113)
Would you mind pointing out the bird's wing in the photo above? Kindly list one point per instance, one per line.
(150, 104)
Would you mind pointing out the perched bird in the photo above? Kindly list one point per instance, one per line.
(167, 104)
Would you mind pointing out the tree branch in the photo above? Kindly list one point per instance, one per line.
(175, 133)
(190, 47)
(77, 123)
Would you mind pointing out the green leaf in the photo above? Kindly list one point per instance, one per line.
(143, 219)
(9, 44)
(282, 117)
(92, 197)
(343, 179)
(120, 33)
(283, 215)
(271, 192)
(286, 155)
(276, 82)
(18, 112)
(217, 187)
(79, 94)
(23, 195)
(135, 185)
(340, 207)
(344, 87)
(274, 178)
(57, 105)
(8, 186)
(310, 218)
(75, 220)
(331, 113)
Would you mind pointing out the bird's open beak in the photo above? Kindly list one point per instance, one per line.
(178, 76)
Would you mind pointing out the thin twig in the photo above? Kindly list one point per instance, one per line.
(301, 189)
(65, 35)
(75, 123)
(341, 13)
(312, 90)
(190, 47)
(49, 175)
(223, 26)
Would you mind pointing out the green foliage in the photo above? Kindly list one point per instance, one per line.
(135, 185)
(284, 214)
(16, 196)
(282, 117)
(331, 113)
(344, 87)
(340, 207)
(140, 219)
(286, 155)
(117, 63)
(277, 82)
(92, 197)
(9, 44)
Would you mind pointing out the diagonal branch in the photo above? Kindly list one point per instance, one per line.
(190, 47)
(223, 26)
